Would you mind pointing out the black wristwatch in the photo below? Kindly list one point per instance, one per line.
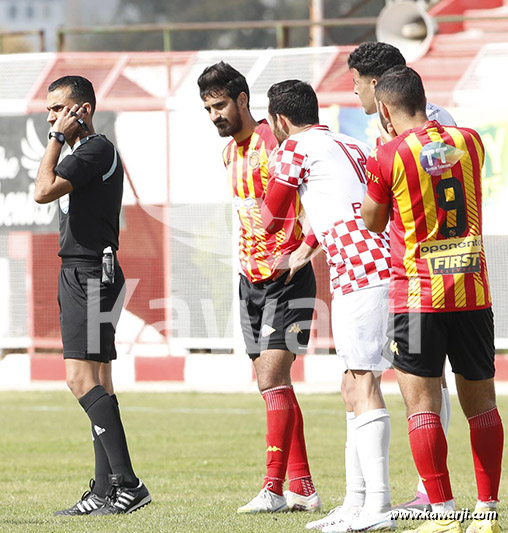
(60, 137)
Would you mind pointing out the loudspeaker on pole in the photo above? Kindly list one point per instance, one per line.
(406, 25)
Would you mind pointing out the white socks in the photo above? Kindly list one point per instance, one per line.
(372, 439)
(444, 507)
(355, 484)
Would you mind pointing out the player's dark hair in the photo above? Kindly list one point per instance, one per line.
(375, 58)
(402, 87)
(81, 89)
(222, 78)
(296, 100)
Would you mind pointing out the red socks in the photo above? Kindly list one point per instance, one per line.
(300, 480)
(486, 432)
(429, 449)
(285, 443)
(280, 417)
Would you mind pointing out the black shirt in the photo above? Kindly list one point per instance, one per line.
(90, 214)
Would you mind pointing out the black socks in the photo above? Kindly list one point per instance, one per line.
(110, 444)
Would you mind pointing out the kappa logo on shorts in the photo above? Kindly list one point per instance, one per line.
(295, 328)
(266, 330)
(394, 347)
(274, 449)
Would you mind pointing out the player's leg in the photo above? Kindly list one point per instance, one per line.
(83, 361)
(472, 359)
(422, 397)
(421, 503)
(273, 377)
(296, 306)
(478, 402)
(128, 492)
(102, 485)
(372, 435)
(420, 342)
(268, 321)
(359, 324)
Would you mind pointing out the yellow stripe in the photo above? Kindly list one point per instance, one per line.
(460, 290)
(473, 216)
(239, 173)
(466, 164)
(403, 199)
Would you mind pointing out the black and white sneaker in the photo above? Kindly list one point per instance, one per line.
(124, 500)
(88, 503)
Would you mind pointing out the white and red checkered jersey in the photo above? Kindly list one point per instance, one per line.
(328, 169)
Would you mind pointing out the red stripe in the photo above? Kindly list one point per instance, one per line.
(419, 211)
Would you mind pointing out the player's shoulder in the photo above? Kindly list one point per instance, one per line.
(265, 134)
(440, 114)
(352, 141)
(97, 145)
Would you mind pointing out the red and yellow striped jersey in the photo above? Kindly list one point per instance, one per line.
(432, 177)
(247, 167)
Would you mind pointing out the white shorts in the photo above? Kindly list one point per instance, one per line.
(359, 322)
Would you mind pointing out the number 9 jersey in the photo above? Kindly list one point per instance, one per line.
(431, 175)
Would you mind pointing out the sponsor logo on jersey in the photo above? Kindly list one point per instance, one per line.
(245, 203)
(437, 157)
(453, 256)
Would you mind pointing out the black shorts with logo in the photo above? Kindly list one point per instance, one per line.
(93, 340)
(275, 316)
(418, 343)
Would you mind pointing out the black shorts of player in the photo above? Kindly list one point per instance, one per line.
(275, 316)
(420, 342)
(80, 291)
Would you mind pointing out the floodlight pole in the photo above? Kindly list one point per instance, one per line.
(316, 33)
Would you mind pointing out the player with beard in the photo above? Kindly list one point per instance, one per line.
(277, 289)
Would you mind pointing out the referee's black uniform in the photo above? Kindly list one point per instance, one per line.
(89, 223)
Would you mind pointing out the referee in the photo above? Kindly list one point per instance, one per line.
(88, 184)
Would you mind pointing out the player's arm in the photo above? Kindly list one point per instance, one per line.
(282, 186)
(302, 255)
(277, 200)
(375, 216)
(48, 185)
(376, 206)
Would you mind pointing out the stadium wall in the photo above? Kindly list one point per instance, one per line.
(178, 230)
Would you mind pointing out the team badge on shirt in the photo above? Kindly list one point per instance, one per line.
(254, 159)
(437, 157)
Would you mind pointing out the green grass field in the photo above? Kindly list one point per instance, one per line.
(201, 456)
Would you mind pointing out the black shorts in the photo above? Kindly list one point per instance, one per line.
(275, 316)
(418, 343)
(93, 340)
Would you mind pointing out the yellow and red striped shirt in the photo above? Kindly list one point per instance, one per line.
(247, 167)
(432, 177)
